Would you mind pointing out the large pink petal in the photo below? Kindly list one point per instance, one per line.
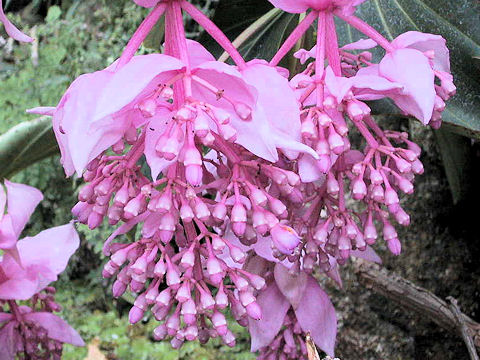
(22, 201)
(56, 327)
(18, 289)
(8, 237)
(11, 30)
(425, 42)
(198, 54)
(316, 315)
(139, 76)
(7, 337)
(52, 248)
(412, 69)
(292, 286)
(280, 107)
(274, 307)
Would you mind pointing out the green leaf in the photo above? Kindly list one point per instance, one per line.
(457, 21)
(26, 143)
(457, 155)
(155, 37)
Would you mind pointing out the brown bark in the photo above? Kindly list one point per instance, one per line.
(420, 300)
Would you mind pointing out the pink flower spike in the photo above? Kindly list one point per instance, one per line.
(11, 30)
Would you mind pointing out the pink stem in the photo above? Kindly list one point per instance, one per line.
(140, 35)
(214, 32)
(294, 37)
(366, 29)
(366, 134)
(332, 46)
(320, 58)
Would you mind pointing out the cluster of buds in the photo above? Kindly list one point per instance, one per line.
(26, 324)
(289, 344)
(246, 166)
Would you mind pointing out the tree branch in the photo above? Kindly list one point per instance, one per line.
(413, 297)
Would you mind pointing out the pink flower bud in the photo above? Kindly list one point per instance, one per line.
(214, 270)
(194, 174)
(191, 333)
(221, 299)
(308, 129)
(183, 293)
(164, 297)
(254, 311)
(189, 312)
(118, 289)
(201, 211)
(229, 339)
(391, 197)
(394, 246)
(376, 177)
(332, 185)
(207, 301)
(359, 189)
(186, 213)
(219, 323)
(219, 212)
(378, 194)
(335, 142)
(135, 315)
(389, 232)
(417, 167)
(243, 111)
(86, 193)
(284, 238)
(188, 259)
(160, 332)
(148, 107)
(134, 206)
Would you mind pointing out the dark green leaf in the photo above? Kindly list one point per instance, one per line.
(456, 151)
(25, 144)
(457, 21)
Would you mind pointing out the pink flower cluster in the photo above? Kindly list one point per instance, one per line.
(27, 267)
(250, 171)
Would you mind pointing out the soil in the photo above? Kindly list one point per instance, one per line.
(440, 252)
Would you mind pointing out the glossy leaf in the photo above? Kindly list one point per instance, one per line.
(457, 21)
(25, 144)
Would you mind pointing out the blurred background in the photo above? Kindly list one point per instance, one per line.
(441, 247)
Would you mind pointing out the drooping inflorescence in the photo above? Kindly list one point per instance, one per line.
(251, 171)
